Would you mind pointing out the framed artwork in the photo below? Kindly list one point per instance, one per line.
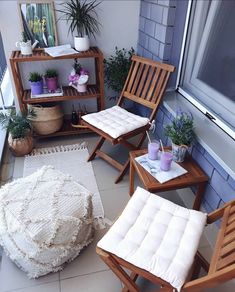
(38, 21)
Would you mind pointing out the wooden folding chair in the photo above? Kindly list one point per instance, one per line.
(219, 270)
(145, 85)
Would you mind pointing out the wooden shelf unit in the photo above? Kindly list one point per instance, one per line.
(93, 90)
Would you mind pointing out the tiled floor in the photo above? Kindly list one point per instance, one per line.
(87, 273)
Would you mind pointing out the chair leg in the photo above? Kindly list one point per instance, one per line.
(123, 171)
(97, 147)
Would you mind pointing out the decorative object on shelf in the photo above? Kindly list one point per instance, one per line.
(78, 77)
(116, 69)
(59, 92)
(19, 126)
(25, 45)
(38, 21)
(36, 83)
(74, 117)
(51, 78)
(82, 18)
(49, 118)
(181, 134)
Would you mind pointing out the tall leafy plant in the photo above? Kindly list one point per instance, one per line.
(81, 17)
(116, 68)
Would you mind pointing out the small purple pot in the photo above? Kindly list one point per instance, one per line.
(52, 83)
(36, 87)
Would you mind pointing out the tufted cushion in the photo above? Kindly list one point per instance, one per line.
(156, 235)
(115, 121)
(45, 220)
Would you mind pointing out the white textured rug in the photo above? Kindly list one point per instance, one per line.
(71, 159)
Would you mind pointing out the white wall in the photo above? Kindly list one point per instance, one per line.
(119, 27)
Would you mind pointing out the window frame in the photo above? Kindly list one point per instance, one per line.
(206, 111)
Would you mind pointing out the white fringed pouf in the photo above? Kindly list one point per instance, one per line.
(45, 221)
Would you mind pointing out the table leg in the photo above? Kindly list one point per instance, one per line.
(131, 178)
(199, 196)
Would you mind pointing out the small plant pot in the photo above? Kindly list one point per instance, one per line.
(81, 87)
(36, 87)
(52, 83)
(21, 146)
(179, 152)
(81, 44)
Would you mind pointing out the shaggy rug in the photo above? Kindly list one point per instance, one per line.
(70, 159)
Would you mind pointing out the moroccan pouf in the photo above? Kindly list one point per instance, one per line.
(45, 221)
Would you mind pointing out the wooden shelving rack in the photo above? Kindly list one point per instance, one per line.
(93, 91)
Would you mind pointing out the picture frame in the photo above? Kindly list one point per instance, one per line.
(37, 19)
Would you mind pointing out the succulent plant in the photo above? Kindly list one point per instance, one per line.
(35, 77)
(50, 73)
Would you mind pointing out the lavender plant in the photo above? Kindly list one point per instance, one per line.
(181, 130)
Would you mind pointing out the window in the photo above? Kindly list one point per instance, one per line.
(208, 71)
(6, 94)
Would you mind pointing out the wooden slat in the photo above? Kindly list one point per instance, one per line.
(139, 100)
(148, 82)
(228, 249)
(229, 238)
(226, 261)
(137, 79)
(230, 228)
(163, 66)
(159, 86)
(133, 74)
(153, 84)
(142, 81)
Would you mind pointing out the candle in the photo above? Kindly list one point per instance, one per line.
(153, 148)
(165, 161)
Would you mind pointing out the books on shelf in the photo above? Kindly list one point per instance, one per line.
(46, 93)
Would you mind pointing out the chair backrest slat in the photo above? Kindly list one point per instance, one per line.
(146, 82)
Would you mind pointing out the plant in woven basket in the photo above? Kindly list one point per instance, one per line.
(116, 69)
(20, 138)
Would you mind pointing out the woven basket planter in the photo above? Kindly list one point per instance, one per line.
(21, 146)
(48, 119)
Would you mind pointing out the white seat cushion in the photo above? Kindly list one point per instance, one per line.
(45, 220)
(115, 121)
(156, 235)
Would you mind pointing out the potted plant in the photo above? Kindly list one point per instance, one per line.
(116, 68)
(20, 137)
(25, 45)
(51, 78)
(82, 18)
(36, 83)
(78, 77)
(181, 134)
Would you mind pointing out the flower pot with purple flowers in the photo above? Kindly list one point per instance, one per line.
(36, 83)
(181, 133)
(51, 78)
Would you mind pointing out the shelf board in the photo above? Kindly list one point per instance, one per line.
(67, 129)
(69, 93)
(41, 55)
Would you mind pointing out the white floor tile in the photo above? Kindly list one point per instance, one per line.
(99, 282)
(50, 287)
(114, 201)
(87, 262)
(12, 278)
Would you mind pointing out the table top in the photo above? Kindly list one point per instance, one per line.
(194, 176)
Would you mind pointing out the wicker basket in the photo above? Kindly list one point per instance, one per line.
(48, 119)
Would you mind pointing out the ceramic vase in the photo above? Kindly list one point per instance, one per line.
(81, 44)
(36, 87)
(52, 83)
(179, 152)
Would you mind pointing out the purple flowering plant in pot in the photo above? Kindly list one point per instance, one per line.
(36, 83)
(181, 133)
(51, 78)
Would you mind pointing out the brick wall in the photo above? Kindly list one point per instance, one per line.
(158, 34)
(156, 29)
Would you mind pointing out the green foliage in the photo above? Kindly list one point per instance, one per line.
(77, 67)
(81, 16)
(34, 77)
(18, 125)
(117, 67)
(50, 73)
(181, 130)
(24, 37)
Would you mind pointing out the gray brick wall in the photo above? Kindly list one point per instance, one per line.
(156, 29)
(221, 186)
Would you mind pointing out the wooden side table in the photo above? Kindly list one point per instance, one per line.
(194, 177)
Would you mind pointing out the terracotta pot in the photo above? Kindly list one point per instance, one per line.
(21, 146)
(179, 152)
